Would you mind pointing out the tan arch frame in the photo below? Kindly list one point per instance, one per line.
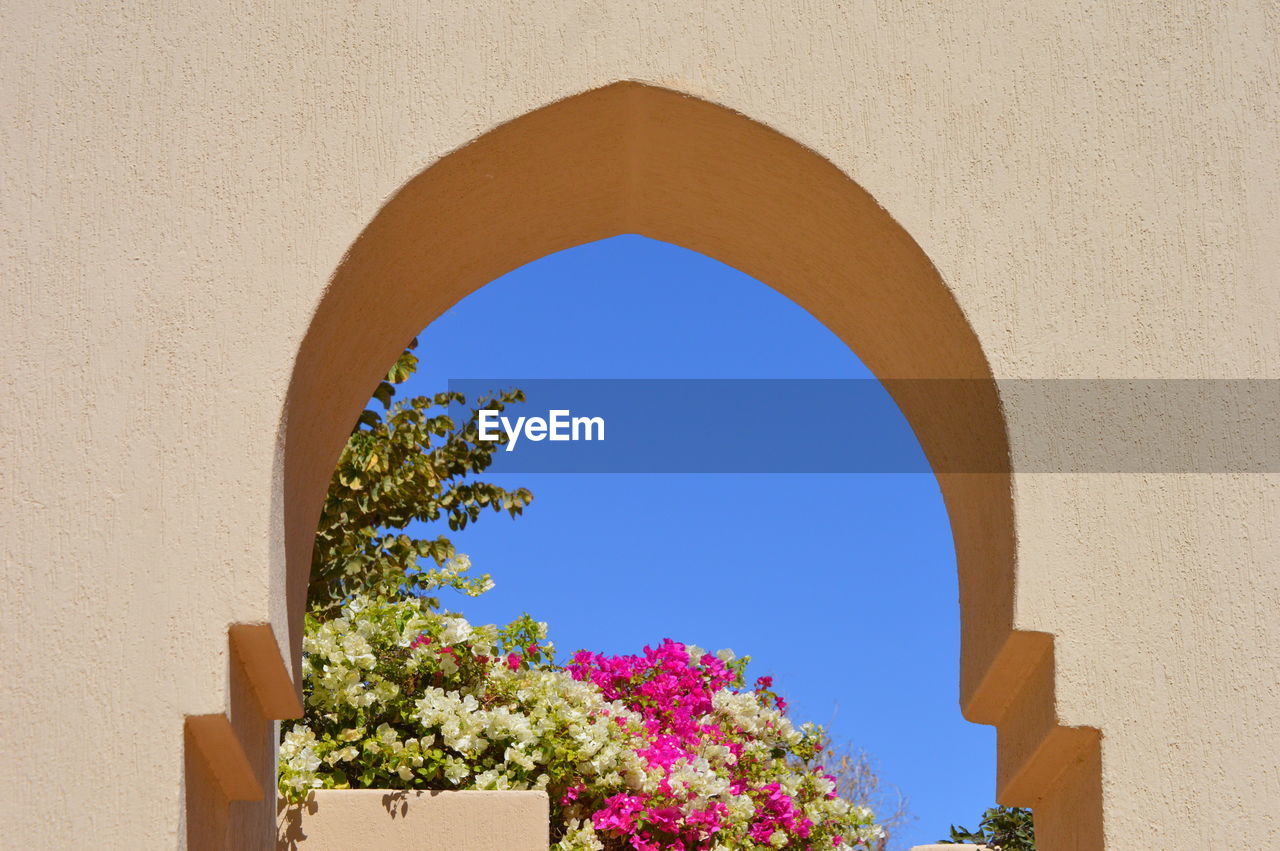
(631, 158)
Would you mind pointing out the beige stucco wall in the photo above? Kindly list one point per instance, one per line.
(332, 820)
(1095, 183)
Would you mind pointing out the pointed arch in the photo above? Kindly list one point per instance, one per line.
(633, 158)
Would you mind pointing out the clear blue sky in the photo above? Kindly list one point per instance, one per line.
(843, 587)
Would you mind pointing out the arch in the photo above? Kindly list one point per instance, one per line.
(632, 158)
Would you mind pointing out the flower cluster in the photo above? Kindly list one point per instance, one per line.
(666, 750)
(722, 765)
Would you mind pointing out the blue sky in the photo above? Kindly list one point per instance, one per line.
(841, 586)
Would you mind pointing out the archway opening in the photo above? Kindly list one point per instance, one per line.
(630, 158)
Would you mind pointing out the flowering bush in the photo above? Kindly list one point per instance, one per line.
(664, 750)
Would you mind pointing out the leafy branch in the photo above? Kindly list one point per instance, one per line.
(409, 461)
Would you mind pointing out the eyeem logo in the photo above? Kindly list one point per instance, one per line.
(558, 425)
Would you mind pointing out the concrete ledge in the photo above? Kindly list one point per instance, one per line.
(256, 646)
(416, 821)
(215, 740)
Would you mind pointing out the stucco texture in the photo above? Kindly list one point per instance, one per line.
(332, 820)
(1095, 184)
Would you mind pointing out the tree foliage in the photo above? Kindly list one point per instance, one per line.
(405, 461)
(1001, 828)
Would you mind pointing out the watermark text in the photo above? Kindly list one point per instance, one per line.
(559, 424)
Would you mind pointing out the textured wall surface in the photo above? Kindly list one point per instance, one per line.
(1096, 184)
(416, 821)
